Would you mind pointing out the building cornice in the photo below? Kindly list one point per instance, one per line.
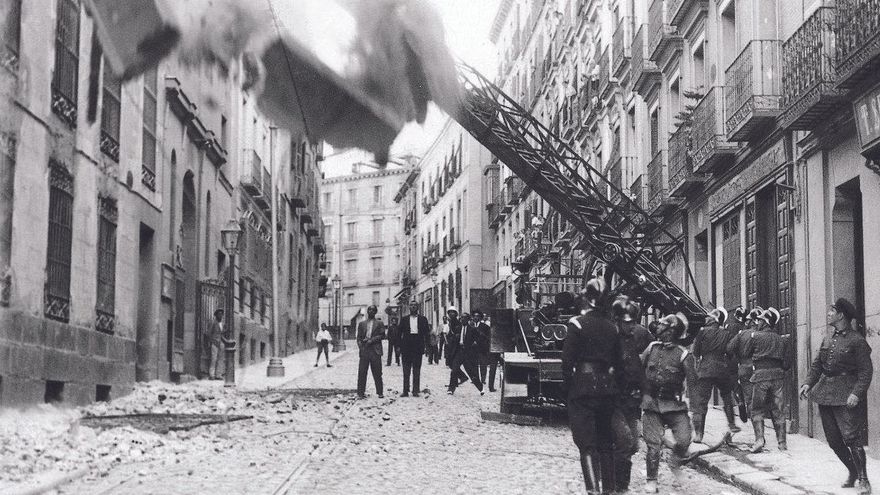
(369, 175)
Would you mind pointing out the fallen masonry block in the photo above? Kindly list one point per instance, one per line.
(517, 419)
(159, 423)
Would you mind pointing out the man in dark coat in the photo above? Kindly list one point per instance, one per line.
(465, 354)
(737, 347)
(591, 350)
(393, 342)
(838, 382)
(370, 333)
(414, 336)
(769, 355)
(713, 371)
(634, 339)
(483, 343)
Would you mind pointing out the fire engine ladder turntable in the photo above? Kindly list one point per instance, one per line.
(627, 238)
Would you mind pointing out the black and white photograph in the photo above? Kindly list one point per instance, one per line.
(442, 247)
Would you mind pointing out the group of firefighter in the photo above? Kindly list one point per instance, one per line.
(619, 373)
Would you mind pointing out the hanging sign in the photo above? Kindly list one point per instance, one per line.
(867, 116)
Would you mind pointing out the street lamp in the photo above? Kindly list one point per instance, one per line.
(339, 345)
(230, 235)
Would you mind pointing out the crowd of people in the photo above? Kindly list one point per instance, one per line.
(462, 342)
(621, 376)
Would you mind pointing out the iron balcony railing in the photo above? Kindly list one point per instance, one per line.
(644, 71)
(754, 88)
(659, 27)
(252, 172)
(681, 172)
(637, 192)
(604, 73)
(808, 72)
(857, 40)
(615, 176)
(708, 138)
(621, 45)
(658, 180)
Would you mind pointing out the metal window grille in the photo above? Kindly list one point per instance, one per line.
(731, 264)
(66, 74)
(59, 240)
(111, 114)
(105, 305)
(148, 176)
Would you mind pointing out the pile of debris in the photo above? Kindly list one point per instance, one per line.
(156, 421)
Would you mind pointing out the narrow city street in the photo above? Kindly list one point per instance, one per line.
(332, 443)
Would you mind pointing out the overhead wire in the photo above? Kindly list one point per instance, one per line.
(289, 69)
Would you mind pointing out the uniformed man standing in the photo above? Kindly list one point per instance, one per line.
(666, 369)
(737, 349)
(769, 355)
(634, 339)
(838, 382)
(713, 371)
(592, 365)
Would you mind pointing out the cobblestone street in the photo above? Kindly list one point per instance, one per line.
(433, 444)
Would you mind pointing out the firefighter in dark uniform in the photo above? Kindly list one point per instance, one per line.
(592, 366)
(634, 339)
(713, 371)
(769, 355)
(737, 347)
(735, 325)
(838, 382)
(666, 369)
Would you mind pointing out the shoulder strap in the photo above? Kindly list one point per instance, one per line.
(574, 321)
(684, 353)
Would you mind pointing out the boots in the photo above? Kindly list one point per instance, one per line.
(731, 419)
(699, 426)
(652, 465)
(622, 474)
(606, 470)
(591, 479)
(843, 453)
(758, 425)
(860, 462)
(780, 434)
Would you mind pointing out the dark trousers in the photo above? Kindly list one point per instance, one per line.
(373, 362)
(441, 345)
(461, 361)
(625, 425)
(324, 347)
(702, 393)
(395, 349)
(412, 363)
(844, 428)
(490, 362)
(433, 354)
(768, 399)
(654, 425)
(590, 420)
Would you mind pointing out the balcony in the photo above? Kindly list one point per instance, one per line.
(682, 179)
(754, 90)
(589, 107)
(571, 118)
(515, 188)
(662, 34)
(638, 193)
(454, 241)
(709, 145)
(645, 73)
(620, 175)
(265, 201)
(858, 41)
(604, 74)
(678, 9)
(621, 45)
(252, 173)
(808, 73)
(659, 200)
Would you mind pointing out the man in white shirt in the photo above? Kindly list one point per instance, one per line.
(322, 339)
(414, 338)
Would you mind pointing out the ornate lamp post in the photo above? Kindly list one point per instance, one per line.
(230, 235)
(339, 344)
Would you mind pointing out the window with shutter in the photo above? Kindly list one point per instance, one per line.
(65, 77)
(59, 243)
(105, 304)
(111, 114)
(148, 160)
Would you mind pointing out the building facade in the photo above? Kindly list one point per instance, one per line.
(362, 232)
(747, 127)
(112, 198)
(448, 249)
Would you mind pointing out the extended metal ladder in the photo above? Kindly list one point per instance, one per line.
(619, 232)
